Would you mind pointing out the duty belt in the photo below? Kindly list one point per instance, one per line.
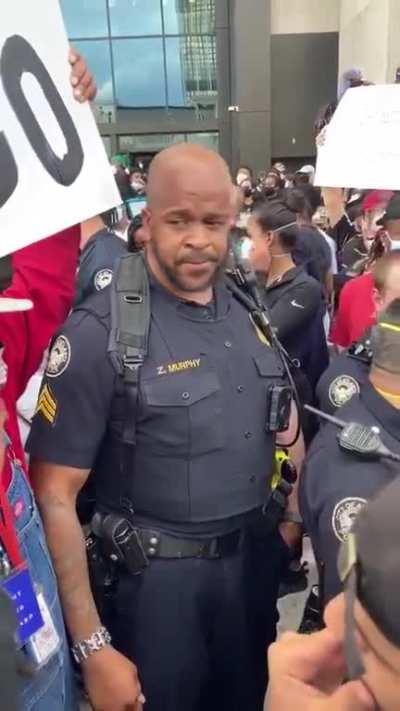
(134, 547)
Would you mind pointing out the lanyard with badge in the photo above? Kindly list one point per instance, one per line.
(36, 631)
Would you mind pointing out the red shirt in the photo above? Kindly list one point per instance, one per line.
(44, 273)
(356, 311)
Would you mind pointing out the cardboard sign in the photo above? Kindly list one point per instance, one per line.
(54, 170)
(362, 147)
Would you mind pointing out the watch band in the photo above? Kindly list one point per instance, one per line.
(292, 517)
(86, 647)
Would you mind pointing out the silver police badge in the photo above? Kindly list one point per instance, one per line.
(344, 515)
(342, 389)
(59, 358)
(102, 279)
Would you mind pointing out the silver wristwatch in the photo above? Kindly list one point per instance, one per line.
(97, 641)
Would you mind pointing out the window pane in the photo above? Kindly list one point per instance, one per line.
(107, 144)
(149, 142)
(189, 16)
(139, 72)
(209, 140)
(191, 70)
(85, 18)
(135, 17)
(97, 55)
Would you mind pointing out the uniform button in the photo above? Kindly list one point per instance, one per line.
(153, 541)
(248, 435)
(252, 479)
(151, 551)
(186, 395)
(228, 344)
(240, 388)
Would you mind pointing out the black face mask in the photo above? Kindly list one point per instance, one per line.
(269, 191)
(248, 192)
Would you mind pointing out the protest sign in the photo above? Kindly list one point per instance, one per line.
(54, 170)
(361, 147)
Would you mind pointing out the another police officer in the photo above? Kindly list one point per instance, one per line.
(101, 247)
(337, 481)
(195, 609)
(349, 370)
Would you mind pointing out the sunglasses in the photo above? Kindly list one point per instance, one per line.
(350, 574)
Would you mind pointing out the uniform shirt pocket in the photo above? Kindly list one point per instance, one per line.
(183, 413)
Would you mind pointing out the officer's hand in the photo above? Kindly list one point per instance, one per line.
(291, 534)
(82, 80)
(111, 682)
(306, 672)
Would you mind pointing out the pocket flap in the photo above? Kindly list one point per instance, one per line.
(180, 390)
(269, 365)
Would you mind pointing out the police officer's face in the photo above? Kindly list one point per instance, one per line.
(380, 658)
(188, 226)
(391, 290)
(260, 254)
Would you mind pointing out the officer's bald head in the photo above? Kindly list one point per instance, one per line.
(188, 217)
(186, 167)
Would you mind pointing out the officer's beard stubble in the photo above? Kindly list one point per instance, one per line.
(174, 277)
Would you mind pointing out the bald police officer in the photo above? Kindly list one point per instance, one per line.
(336, 483)
(349, 370)
(200, 611)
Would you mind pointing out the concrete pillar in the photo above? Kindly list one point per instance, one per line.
(369, 38)
(250, 86)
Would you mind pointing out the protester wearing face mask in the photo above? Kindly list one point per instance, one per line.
(356, 312)
(294, 298)
(138, 183)
(361, 642)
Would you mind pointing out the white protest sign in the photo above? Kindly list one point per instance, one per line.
(54, 170)
(362, 142)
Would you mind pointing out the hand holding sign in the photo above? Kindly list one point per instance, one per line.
(53, 168)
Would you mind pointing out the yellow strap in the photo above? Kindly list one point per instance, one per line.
(389, 326)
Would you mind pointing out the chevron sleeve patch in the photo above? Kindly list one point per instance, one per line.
(47, 405)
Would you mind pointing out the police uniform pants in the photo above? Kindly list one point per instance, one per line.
(198, 629)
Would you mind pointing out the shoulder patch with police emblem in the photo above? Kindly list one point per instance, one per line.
(342, 389)
(344, 515)
(59, 358)
(47, 405)
(102, 279)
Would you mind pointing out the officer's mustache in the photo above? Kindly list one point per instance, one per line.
(196, 257)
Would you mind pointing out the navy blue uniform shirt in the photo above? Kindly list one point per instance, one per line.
(203, 454)
(345, 375)
(335, 485)
(96, 263)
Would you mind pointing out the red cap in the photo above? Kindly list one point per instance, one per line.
(375, 199)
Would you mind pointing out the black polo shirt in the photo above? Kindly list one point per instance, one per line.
(297, 309)
(335, 485)
(203, 456)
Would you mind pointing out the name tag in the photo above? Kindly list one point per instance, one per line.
(20, 589)
(46, 641)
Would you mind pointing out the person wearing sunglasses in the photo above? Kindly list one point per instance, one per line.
(337, 480)
(354, 663)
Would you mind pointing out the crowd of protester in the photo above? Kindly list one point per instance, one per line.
(326, 263)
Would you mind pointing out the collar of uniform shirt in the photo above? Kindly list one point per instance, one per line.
(285, 278)
(382, 409)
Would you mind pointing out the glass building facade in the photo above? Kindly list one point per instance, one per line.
(156, 67)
